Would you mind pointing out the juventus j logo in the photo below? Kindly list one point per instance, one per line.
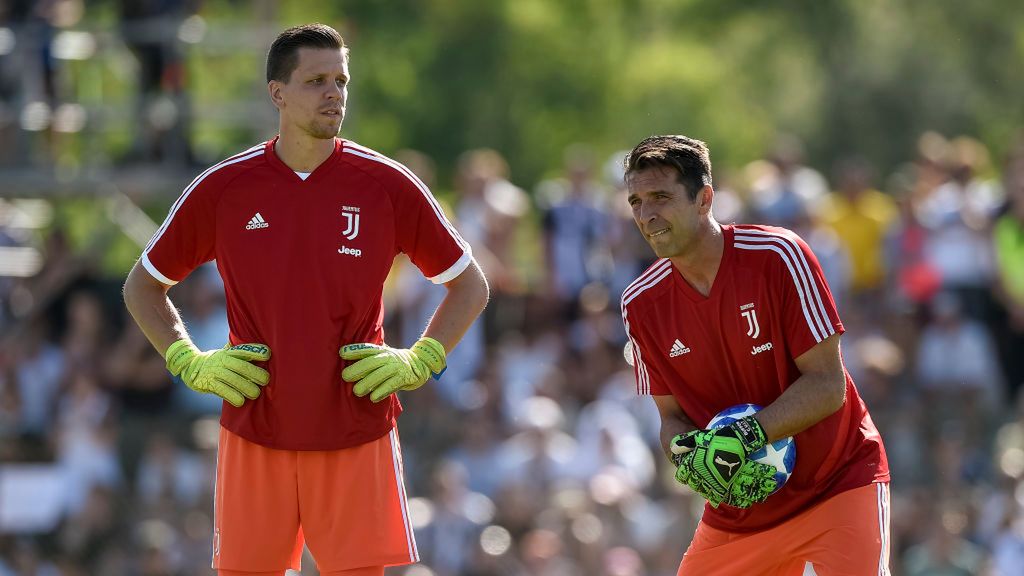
(753, 330)
(351, 214)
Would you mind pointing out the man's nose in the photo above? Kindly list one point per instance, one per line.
(646, 212)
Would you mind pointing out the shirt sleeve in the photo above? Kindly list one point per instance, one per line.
(186, 238)
(809, 313)
(425, 234)
(650, 380)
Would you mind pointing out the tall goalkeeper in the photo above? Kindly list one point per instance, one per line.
(304, 228)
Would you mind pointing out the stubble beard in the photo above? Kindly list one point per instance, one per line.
(324, 130)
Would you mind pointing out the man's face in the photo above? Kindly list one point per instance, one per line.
(662, 210)
(313, 99)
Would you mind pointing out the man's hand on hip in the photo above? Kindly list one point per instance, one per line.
(228, 372)
(381, 371)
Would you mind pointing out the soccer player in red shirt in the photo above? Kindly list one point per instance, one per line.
(304, 229)
(735, 314)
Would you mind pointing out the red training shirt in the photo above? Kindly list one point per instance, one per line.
(768, 305)
(304, 264)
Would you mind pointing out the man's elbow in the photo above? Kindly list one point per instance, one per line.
(838, 388)
(482, 294)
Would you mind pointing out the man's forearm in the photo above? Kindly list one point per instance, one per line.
(152, 310)
(809, 400)
(466, 299)
(670, 428)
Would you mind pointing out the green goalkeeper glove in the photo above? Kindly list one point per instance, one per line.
(227, 372)
(382, 371)
(754, 483)
(709, 461)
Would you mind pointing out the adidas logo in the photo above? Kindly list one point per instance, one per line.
(257, 221)
(678, 349)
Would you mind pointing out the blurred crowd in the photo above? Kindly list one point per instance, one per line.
(534, 455)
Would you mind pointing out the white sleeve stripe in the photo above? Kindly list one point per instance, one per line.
(804, 276)
(154, 272)
(653, 270)
(371, 155)
(643, 379)
(812, 324)
(454, 270)
(665, 272)
(396, 460)
(790, 240)
(883, 527)
(181, 200)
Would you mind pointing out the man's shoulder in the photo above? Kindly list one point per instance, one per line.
(772, 243)
(648, 286)
(233, 165)
(383, 168)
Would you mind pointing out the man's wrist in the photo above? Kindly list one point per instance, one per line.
(432, 353)
(177, 354)
(750, 433)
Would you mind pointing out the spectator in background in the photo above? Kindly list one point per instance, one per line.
(784, 190)
(957, 366)
(150, 30)
(492, 212)
(1008, 242)
(39, 369)
(576, 226)
(956, 215)
(491, 209)
(861, 217)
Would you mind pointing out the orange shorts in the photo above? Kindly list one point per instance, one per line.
(349, 506)
(846, 535)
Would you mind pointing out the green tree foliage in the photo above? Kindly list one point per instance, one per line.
(529, 77)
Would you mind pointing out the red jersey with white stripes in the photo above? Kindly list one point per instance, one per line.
(768, 305)
(304, 264)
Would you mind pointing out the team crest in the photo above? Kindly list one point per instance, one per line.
(351, 215)
(748, 312)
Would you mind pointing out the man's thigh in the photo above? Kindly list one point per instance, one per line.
(847, 534)
(354, 507)
(852, 534)
(256, 508)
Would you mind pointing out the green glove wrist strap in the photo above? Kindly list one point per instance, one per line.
(179, 354)
(750, 434)
(432, 353)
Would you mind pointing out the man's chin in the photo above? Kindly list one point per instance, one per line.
(325, 132)
(662, 251)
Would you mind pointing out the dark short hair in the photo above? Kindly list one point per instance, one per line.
(690, 158)
(283, 56)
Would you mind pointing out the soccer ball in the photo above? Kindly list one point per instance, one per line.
(781, 454)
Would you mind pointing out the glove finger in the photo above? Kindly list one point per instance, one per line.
(246, 370)
(683, 444)
(250, 352)
(246, 387)
(227, 392)
(385, 389)
(371, 381)
(359, 351)
(362, 368)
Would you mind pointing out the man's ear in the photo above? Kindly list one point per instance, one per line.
(704, 199)
(275, 89)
